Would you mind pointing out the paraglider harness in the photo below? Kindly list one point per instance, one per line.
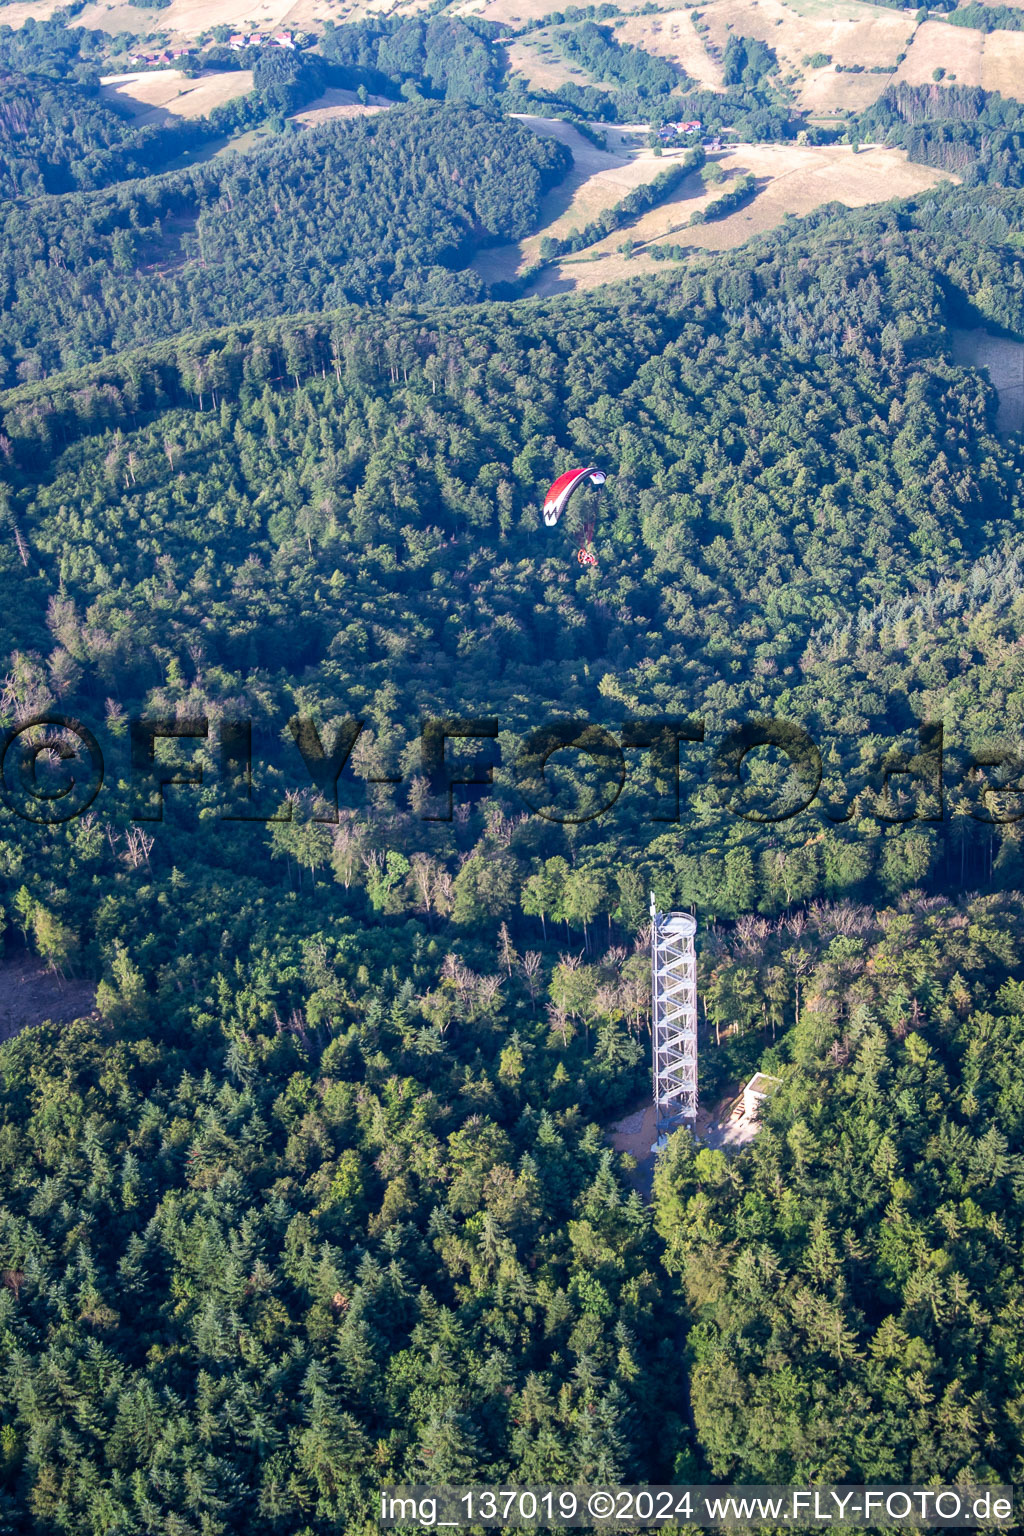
(585, 555)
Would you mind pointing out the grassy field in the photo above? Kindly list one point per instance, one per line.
(851, 32)
(791, 179)
(993, 60)
(151, 96)
(598, 180)
(673, 35)
(338, 103)
(514, 12)
(183, 20)
(537, 60)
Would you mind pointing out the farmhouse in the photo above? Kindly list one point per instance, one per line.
(239, 40)
(673, 130)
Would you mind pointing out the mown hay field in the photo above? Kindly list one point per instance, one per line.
(184, 20)
(793, 180)
(993, 60)
(150, 96)
(672, 35)
(598, 180)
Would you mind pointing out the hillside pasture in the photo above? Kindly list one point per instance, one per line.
(792, 180)
(537, 60)
(598, 180)
(672, 35)
(307, 14)
(336, 103)
(849, 32)
(151, 96)
(184, 20)
(828, 92)
(993, 60)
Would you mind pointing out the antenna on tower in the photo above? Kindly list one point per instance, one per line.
(673, 1019)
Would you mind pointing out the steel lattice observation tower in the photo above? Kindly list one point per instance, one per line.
(673, 1019)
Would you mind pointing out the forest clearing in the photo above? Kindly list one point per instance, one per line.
(31, 993)
(1003, 360)
(149, 95)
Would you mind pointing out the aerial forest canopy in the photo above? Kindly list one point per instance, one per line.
(361, 210)
(974, 133)
(53, 49)
(597, 49)
(448, 57)
(318, 1199)
(60, 138)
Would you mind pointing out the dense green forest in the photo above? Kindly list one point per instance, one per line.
(974, 133)
(60, 138)
(987, 18)
(708, 526)
(54, 49)
(318, 1197)
(362, 209)
(599, 52)
(449, 57)
(854, 1284)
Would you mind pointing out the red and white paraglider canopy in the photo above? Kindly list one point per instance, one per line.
(556, 498)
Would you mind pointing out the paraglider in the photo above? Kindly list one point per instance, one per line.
(557, 499)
